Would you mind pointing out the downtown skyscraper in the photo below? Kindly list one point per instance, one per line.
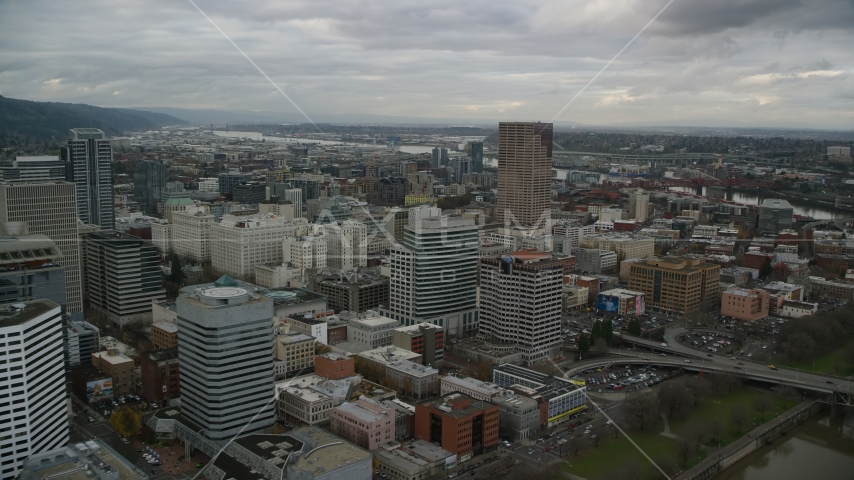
(524, 172)
(88, 164)
(434, 272)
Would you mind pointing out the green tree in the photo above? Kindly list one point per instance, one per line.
(766, 268)
(177, 275)
(634, 327)
(583, 345)
(126, 421)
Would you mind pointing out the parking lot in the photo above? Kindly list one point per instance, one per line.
(629, 378)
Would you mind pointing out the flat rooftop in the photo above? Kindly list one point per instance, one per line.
(167, 327)
(13, 315)
(329, 453)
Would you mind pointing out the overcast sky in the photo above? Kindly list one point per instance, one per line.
(702, 62)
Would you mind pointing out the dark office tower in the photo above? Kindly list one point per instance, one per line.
(149, 178)
(440, 157)
(476, 154)
(123, 277)
(88, 164)
(524, 172)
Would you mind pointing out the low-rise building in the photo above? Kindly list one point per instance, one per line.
(824, 289)
(294, 354)
(160, 374)
(796, 309)
(459, 424)
(334, 366)
(309, 325)
(622, 302)
(164, 335)
(426, 339)
(474, 388)
(298, 403)
(414, 380)
(788, 291)
(746, 305)
(562, 396)
(519, 416)
(296, 302)
(371, 331)
(415, 460)
(119, 367)
(574, 298)
(365, 422)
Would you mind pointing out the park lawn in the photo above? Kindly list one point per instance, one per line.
(832, 363)
(598, 462)
(720, 407)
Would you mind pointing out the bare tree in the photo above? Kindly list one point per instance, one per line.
(684, 451)
(695, 433)
(699, 388)
(674, 399)
(788, 394)
(576, 444)
(762, 405)
(715, 428)
(738, 417)
(666, 462)
(640, 410)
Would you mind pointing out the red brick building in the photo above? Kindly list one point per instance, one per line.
(459, 424)
(755, 259)
(159, 372)
(625, 225)
(334, 366)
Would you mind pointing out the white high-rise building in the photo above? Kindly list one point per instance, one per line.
(48, 209)
(226, 357)
(88, 160)
(520, 303)
(639, 206)
(348, 244)
(161, 235)
(570, 235)
(240, 243)
(209, 184)
(294, 195)
(33, 411)
(191, 233)
(434, 274)
(305, 252)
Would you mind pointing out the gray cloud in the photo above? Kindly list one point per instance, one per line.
(772, 62)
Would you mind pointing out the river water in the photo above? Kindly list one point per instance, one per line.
(561, 173)
(816, 450)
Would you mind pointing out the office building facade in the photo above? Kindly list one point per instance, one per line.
(434, 274)
(775, 215)
(225, 357)
(123, 277)
(149, 179)
(520, 303)
(476, 155)
(48, 209)
(524, 172)
(677, 286)
(32, 169)
(33, 411)
(88, 161)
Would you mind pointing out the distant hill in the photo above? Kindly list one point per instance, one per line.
(51, 121)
